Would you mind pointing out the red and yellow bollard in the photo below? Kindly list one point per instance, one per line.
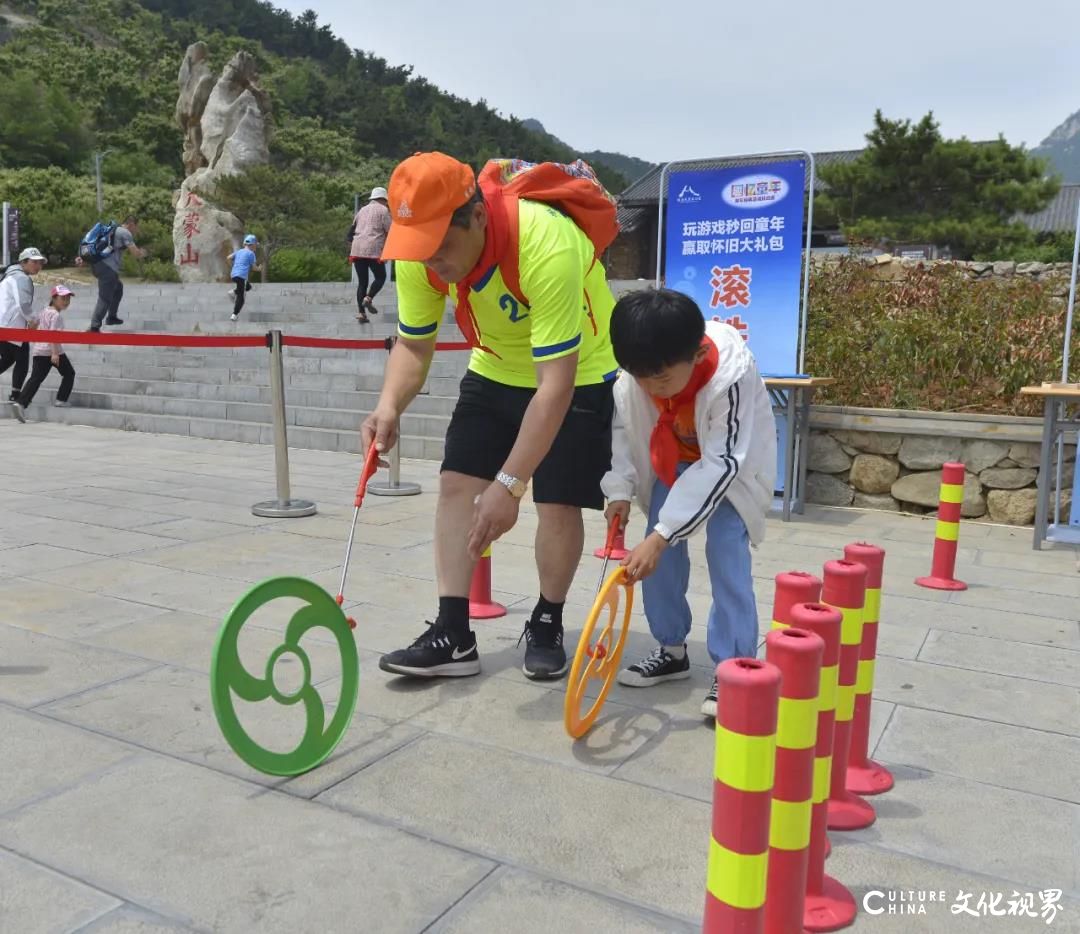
(845, 589)
(793, 587)
(797, 654)
(947, 535)
(864, 775)
(481, 604)
(829, 906)
(747, 705)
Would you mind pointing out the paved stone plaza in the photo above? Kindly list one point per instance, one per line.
(463, 806)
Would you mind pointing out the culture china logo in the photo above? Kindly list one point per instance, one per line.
(755, 191)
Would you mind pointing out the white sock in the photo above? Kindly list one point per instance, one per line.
(676, 651)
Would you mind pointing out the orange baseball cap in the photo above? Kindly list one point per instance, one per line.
(425, 190)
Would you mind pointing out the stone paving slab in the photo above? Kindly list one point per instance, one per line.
(993, 753)
(203, 848)
(169, 711)
(976, 653)
(38, 668)
(931, 889)
(126, 920)
(34, 898)
(1025, 838)
(566, 823)
(123, 784)
(541, 906)
(1037, 704)
(42, 756)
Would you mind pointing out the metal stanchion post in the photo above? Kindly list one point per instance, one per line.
(394, 486)
(284, 507)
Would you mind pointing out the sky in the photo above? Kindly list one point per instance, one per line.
(693, 78)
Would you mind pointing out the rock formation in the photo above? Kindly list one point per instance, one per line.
(226, 125)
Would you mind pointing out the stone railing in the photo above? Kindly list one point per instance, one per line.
(883, 459)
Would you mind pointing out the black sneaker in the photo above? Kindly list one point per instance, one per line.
(436, 654)
(545, 657)
(656, 668)
(114, 320)
(708, 706)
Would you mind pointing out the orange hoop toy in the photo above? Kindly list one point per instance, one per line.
(598, 660)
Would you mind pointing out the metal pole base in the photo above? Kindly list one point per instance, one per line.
(393, 489)
(284, 509)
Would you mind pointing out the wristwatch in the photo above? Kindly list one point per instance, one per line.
(514, 486)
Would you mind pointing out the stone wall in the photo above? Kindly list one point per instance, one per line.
(1055, 275)
(901, 471)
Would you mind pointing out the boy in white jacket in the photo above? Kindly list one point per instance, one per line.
(694, 440)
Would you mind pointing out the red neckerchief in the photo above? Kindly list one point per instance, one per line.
(663, 445)
(496, 240)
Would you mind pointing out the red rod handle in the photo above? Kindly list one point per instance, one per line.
(371, 464)
(613, 531)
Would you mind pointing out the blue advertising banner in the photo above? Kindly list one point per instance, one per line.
(734, 241)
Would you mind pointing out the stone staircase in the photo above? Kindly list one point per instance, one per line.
(224, 393)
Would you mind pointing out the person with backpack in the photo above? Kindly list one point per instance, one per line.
(48, 354)
(519, 250)
(366, 239)
(104, 252)
(17, 311)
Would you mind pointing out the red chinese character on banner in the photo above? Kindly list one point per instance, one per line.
(189, 256)
(193, 200)
(741, 326)
(191, 224)
(731, 286)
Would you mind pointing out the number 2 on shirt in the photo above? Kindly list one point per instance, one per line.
(510, 304)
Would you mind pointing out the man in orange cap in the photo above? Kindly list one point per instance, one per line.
(535, 406)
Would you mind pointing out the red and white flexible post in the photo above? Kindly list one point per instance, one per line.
(947, 533)
(845, 589)
(481, 603)
(829, 906)
(747, 703)
(864, 775)
(793, 587)
(797, 654)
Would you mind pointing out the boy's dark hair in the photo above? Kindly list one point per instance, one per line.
(131, 219)
(462, 217)
(654, 329)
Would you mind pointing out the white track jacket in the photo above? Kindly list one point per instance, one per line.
(736, 433)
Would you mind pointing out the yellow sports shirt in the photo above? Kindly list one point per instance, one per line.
(569, 305)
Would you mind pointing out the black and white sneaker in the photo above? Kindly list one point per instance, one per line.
(657, 667)
(545, 657)
(436, 654)
(708, 706)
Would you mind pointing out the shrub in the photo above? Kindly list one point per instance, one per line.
(934, 339)
(291, 264)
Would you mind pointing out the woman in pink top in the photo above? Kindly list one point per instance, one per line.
(47, 355)
(366, 239)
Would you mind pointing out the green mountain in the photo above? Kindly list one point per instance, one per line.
(1062, 149)
(79, 75)
(629, 167)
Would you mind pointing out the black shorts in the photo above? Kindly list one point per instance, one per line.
(485, 426)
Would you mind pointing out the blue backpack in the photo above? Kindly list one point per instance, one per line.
(98, 242)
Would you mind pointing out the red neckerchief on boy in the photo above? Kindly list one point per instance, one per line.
(664, 445)
(495, 244)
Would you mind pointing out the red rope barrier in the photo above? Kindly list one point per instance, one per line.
(18, 335)
(288, 340)
(134, 339)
